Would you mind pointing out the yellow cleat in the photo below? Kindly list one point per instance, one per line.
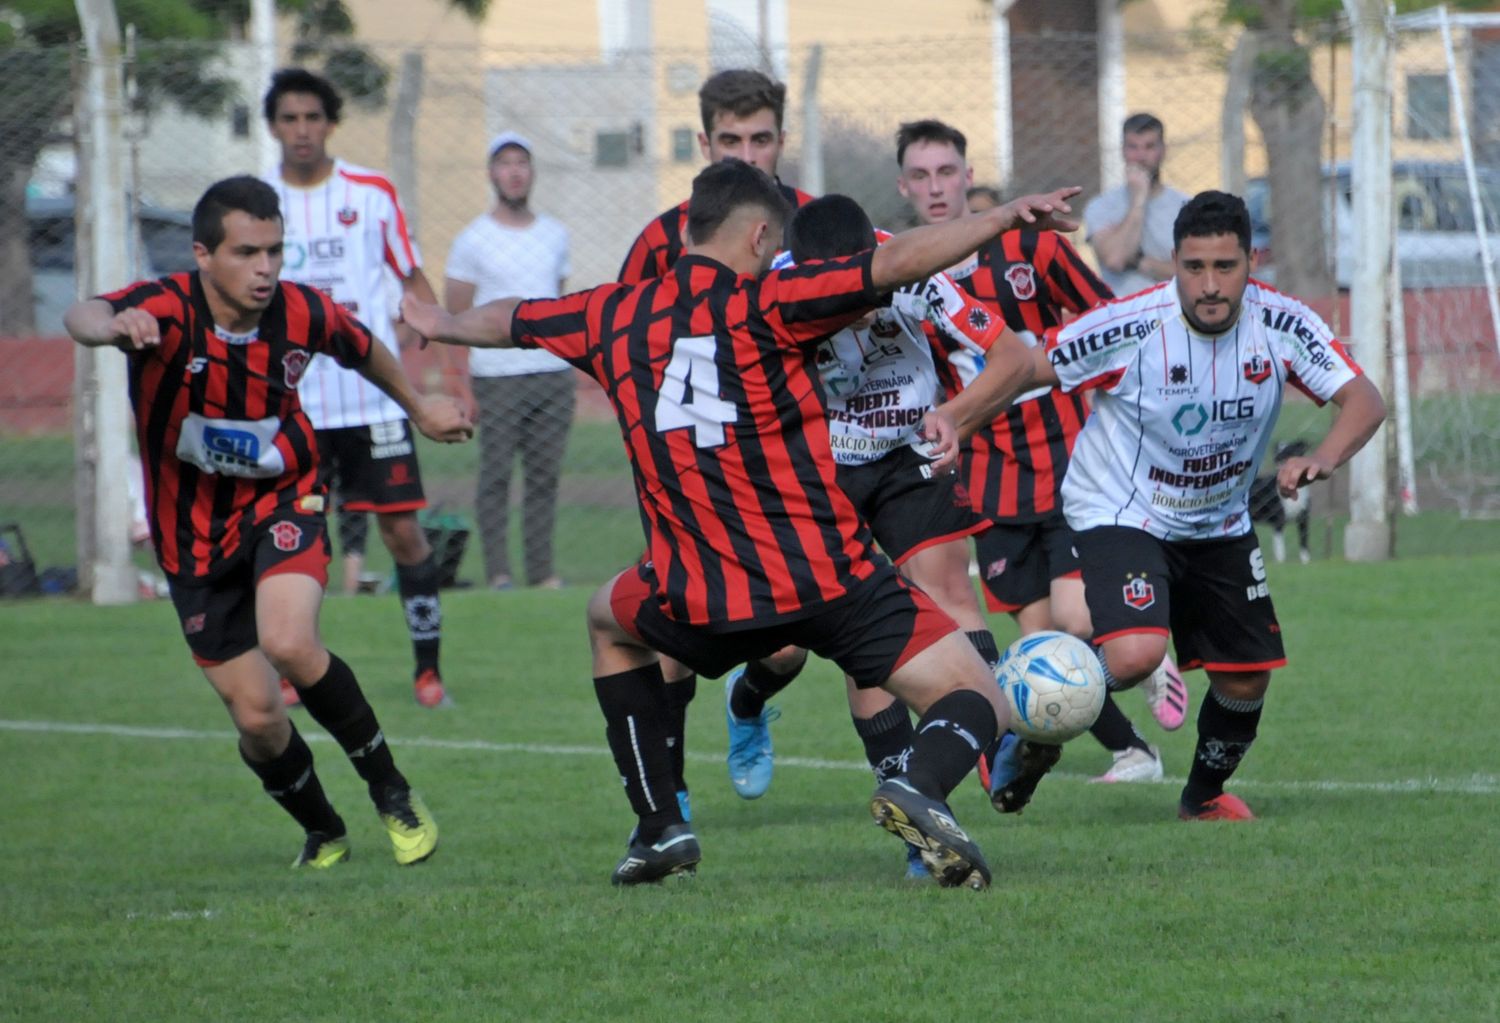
(322, 851)
(408, 822)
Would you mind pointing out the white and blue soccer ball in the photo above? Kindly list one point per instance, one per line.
(1053, 684)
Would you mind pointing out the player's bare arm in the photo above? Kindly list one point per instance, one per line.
(415, 284)
(458, 297)
(923, 251)
(485, 326)
(94, 322)
(1010, 368)
(1361, 411)
(437, 415)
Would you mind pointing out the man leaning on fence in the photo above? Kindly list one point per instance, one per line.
(524, 399)
(235, 502)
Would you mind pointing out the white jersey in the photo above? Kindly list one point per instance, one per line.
(880, 380)
(1181, 420)
(347, 236)
(506, 262)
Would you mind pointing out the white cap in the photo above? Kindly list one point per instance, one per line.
(509, 138)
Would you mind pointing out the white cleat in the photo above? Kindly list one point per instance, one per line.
(1134, 764)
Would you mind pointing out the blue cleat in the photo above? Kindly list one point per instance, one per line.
(916, 870)
(750, 758)
(1017, 770)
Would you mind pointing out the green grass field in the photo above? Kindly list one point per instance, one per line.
(145, 875)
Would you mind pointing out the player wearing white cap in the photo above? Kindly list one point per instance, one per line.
(345, 233)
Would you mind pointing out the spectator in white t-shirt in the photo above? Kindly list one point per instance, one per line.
(524, 398)
(1130, 226)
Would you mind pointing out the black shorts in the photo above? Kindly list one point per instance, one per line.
(218, 615)
(1018, 561)
(371, 468)
(908, 509)
(869, 632)
(1211, 594)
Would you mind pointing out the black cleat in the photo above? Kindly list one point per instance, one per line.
(675, 853)
(1016, 771)
(928, 825)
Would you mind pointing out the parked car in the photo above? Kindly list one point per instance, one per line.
(163, 245)
(1435, 238)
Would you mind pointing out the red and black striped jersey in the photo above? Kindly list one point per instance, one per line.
(1014, 467)
(223, 438)
(659, 245)
(726, 430)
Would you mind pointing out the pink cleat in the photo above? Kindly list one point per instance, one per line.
(1166, 694)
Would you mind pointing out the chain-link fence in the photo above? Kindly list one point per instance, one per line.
(615, 141)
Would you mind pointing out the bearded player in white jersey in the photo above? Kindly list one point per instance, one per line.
(1187, 379)
(345, 233)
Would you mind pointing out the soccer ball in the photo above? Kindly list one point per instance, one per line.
(1053, 684)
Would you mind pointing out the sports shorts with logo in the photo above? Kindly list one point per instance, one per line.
(1211, 594)
(906, 506)
(1019, 560)
(371, 468)
(869, 632)
(218, 614)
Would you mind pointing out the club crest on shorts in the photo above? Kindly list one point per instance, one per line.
(1022, 280)
(287, 536)
(293, 365)
(995, 568)
(348, 216)
(194, 624)
(1140, 594)
(1258, 368)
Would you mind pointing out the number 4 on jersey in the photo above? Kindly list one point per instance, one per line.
(690, 393)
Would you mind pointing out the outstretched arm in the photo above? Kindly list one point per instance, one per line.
(95, 323)
(1361, 411)
(921, 252)
(1010, 368)
(483, 326)
(438, 416)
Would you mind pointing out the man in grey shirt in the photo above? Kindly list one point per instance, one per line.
(1130, 227)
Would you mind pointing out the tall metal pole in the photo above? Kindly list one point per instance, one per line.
(1111, 35)
(102, 448)
(263, 61)
(1368, 537)
(1000, 69)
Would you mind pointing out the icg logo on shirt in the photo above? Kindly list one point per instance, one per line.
(1190, 418)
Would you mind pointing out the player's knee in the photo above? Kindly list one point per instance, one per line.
(1133, 658)
(259, 719)
(294, 651)
(785, 661)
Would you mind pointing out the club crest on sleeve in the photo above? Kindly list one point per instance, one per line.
(348, 216)
(1140, 594)
(1022, 280)
(293, 365)
(287, 536)
(1258, 368)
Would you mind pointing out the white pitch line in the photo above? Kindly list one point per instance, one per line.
(1474, 785)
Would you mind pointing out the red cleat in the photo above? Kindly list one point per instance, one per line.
(289, 694)
(429, 691)
(1223, 807)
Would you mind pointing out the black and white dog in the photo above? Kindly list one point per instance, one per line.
(1268, 506)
